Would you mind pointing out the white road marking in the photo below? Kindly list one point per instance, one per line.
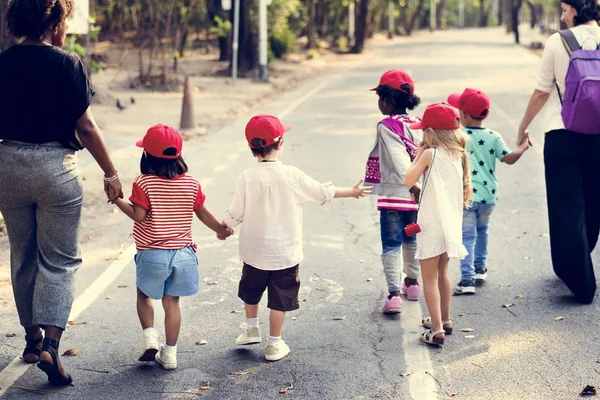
(14, 370)
(418, 362)
(336, 291)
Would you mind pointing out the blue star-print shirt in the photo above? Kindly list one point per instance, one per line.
(484, 147)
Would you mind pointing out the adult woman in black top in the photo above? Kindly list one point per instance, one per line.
(44, 119)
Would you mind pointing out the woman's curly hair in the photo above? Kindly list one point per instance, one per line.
(33, 18)
(587, 10)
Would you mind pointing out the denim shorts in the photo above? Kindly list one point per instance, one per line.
(167, 272)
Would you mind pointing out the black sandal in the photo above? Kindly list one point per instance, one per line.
(32, 348)
(54, 375)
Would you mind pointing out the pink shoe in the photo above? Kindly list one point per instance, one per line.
(412, 292)
(393, 305)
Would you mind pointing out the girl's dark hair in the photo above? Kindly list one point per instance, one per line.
(33, 18)
(259, 151)
(168, 168)
(399, 100)
(587, 10)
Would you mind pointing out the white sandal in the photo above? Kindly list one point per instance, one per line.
(429, 337)
(447, 325)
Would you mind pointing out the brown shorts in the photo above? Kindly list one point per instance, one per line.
(283, 287)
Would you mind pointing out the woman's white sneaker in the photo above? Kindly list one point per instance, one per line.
(249, 336)
(150, 346)
(167, 357)
(275, 352)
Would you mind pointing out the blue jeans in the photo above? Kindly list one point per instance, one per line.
(476, 221)
(394, 240)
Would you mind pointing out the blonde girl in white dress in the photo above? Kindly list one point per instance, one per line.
(443, 162)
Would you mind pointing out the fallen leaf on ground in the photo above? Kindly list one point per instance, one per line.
(240, 373)
(559, 318)
(339, 318)
(526, 258)
(211, 283)
(284, 390)
(75, 323)
(108, 298)
(206, 387)
(369, 279)
(122, 286)
(588, 391)
(470, 337)
(71, 353)
(362, 261)
(201, 342)
(515, 211)
(519, 297)
(544, 235)
(294, 318)
(236, 312)
(507, 305)
(11, 335)
(405, 374)
(462, 314)
(467, 330)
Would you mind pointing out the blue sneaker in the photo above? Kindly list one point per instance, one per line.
(480, 275)
(465, 286)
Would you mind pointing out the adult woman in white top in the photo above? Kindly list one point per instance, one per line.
(572, 160)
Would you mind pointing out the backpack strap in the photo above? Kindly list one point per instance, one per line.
(569, 41)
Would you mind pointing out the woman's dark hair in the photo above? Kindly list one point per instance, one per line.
(399, 100)
(168, 168)
(259, 151)
(587, 10)
(33, 18)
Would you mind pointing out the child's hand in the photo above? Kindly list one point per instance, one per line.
(525, 144)
(358, 190)
(225, 232)
(422, 147)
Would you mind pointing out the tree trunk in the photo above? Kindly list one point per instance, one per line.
(311, 27)
(501, 12)
(415, 17)
(508, 6)
(362, 27)
(483, 14)
(248, 51)
(516, 7)
(440, 12)
(215, 9)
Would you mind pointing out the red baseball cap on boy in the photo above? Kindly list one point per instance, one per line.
(158, 139)
(265, 127)
(395, 78)
(438, 116)
(472, 102)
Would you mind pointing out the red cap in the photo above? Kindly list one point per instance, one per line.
(265, 127)
(395, 78)
(438, 116)
(472, 102)
(159, 138)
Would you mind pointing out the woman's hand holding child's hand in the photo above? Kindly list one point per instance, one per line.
(225, 232)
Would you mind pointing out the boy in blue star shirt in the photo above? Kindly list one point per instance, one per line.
(484, 147)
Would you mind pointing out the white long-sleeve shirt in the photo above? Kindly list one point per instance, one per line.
(268, 203)
(553, 69)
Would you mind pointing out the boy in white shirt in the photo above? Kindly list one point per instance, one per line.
(268, 200)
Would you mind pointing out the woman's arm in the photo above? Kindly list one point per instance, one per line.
(536, 103)
(90, 136)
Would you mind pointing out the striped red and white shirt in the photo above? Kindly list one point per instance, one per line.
(396, 203)
(171, 204)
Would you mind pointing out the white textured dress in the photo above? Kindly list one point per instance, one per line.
(441, 208)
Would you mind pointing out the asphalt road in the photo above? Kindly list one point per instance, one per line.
(342, 346)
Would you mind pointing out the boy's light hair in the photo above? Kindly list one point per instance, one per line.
(453, 141)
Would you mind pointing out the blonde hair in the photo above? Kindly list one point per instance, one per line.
(454, 141)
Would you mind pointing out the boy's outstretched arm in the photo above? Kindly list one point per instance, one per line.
(136, 213)
(418, 166)
(513, 157)
(355, 191)
(212, 223)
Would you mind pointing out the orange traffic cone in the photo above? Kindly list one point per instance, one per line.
(187, 109)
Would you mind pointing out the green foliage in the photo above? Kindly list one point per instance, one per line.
(221, 28)
(282, 42)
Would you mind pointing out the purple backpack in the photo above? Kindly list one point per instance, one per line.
(581, 100)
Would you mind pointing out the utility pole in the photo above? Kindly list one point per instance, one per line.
(432, 23)
(351, 22)
(236, 40)
(461, 13)
(262, 41)
(391, 28)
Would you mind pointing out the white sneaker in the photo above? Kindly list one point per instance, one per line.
(151, 345)
(249, 336)
(167, 360)
(275, 352)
